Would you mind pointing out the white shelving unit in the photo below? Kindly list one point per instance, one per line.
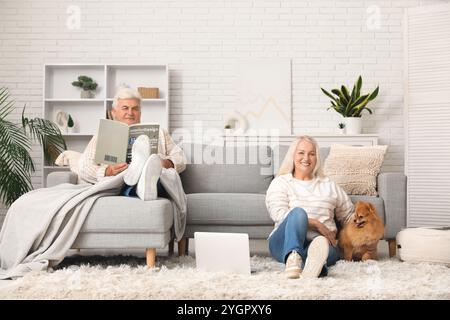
(59, 94)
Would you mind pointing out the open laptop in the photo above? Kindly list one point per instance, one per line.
(222, 252)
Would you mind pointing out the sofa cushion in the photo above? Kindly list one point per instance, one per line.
(227, 169)
(227, 209)
(126, 214)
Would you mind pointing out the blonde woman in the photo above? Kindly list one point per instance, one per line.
(304, 204)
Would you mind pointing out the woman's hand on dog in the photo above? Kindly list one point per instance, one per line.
(323, 230)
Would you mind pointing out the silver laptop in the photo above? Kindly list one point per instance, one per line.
(222, 252)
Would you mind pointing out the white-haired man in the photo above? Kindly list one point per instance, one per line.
(142, 177)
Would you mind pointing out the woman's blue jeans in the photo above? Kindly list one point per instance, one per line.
(291, 236)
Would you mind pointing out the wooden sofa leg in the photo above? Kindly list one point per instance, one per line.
(151, 257)
(183, 247)
(392, 247)
(171, 248)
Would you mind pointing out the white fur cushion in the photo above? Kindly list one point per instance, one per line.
(69, 158)
(355, 169)
(424, 244)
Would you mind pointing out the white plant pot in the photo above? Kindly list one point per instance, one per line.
(70, 129)
(353, 125)
(86, 94)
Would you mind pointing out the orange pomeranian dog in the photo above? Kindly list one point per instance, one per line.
(359, 238)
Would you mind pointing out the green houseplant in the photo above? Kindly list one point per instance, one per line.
(16, 164)
(87, 84)
(351, 104)
(341, 127)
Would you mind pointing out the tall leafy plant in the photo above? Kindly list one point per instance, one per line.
(350, 104)
(16, 164)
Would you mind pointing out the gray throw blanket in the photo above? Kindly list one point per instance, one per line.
(41, 226)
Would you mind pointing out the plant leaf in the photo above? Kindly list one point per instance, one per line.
(358, 108)
(5, 106)
(374, 94)
(349, 100)
(353, 95)
(370, 111)
(360, 99)
(47, 134)
(16, 163)
(342, 99)
(344, 91)
(358, 86)
(329, 95)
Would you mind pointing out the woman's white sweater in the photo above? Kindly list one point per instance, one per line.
(321, 198)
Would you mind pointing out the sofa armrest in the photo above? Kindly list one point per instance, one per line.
(55, 178)
(392, 188)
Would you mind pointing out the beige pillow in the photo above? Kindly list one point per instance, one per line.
(355, 169)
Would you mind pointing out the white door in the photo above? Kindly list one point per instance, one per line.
(427, 112)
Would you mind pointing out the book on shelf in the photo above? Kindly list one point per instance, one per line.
(115, 140)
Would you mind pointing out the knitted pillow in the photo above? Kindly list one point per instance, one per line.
(355, 169)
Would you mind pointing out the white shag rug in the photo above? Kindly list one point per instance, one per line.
(127, 277)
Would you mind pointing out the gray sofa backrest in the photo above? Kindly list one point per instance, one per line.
(227, 169)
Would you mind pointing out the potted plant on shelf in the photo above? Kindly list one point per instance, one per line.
(70, 124)
(351, 105)
(228, 129)
(87, 85)
(341, 128)
(16, 163)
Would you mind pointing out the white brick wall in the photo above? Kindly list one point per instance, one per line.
(328, 41)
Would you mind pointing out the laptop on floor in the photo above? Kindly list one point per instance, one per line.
(222, 252)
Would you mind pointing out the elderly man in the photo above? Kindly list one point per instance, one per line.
(142, 176)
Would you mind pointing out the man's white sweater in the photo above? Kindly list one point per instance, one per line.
(321, 198)
(90, 171)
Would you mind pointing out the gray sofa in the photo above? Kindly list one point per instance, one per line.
(231, 198)
(118, 222)
(225, 187)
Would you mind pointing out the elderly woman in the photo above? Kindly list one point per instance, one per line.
(304, 203)
(142, 176)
